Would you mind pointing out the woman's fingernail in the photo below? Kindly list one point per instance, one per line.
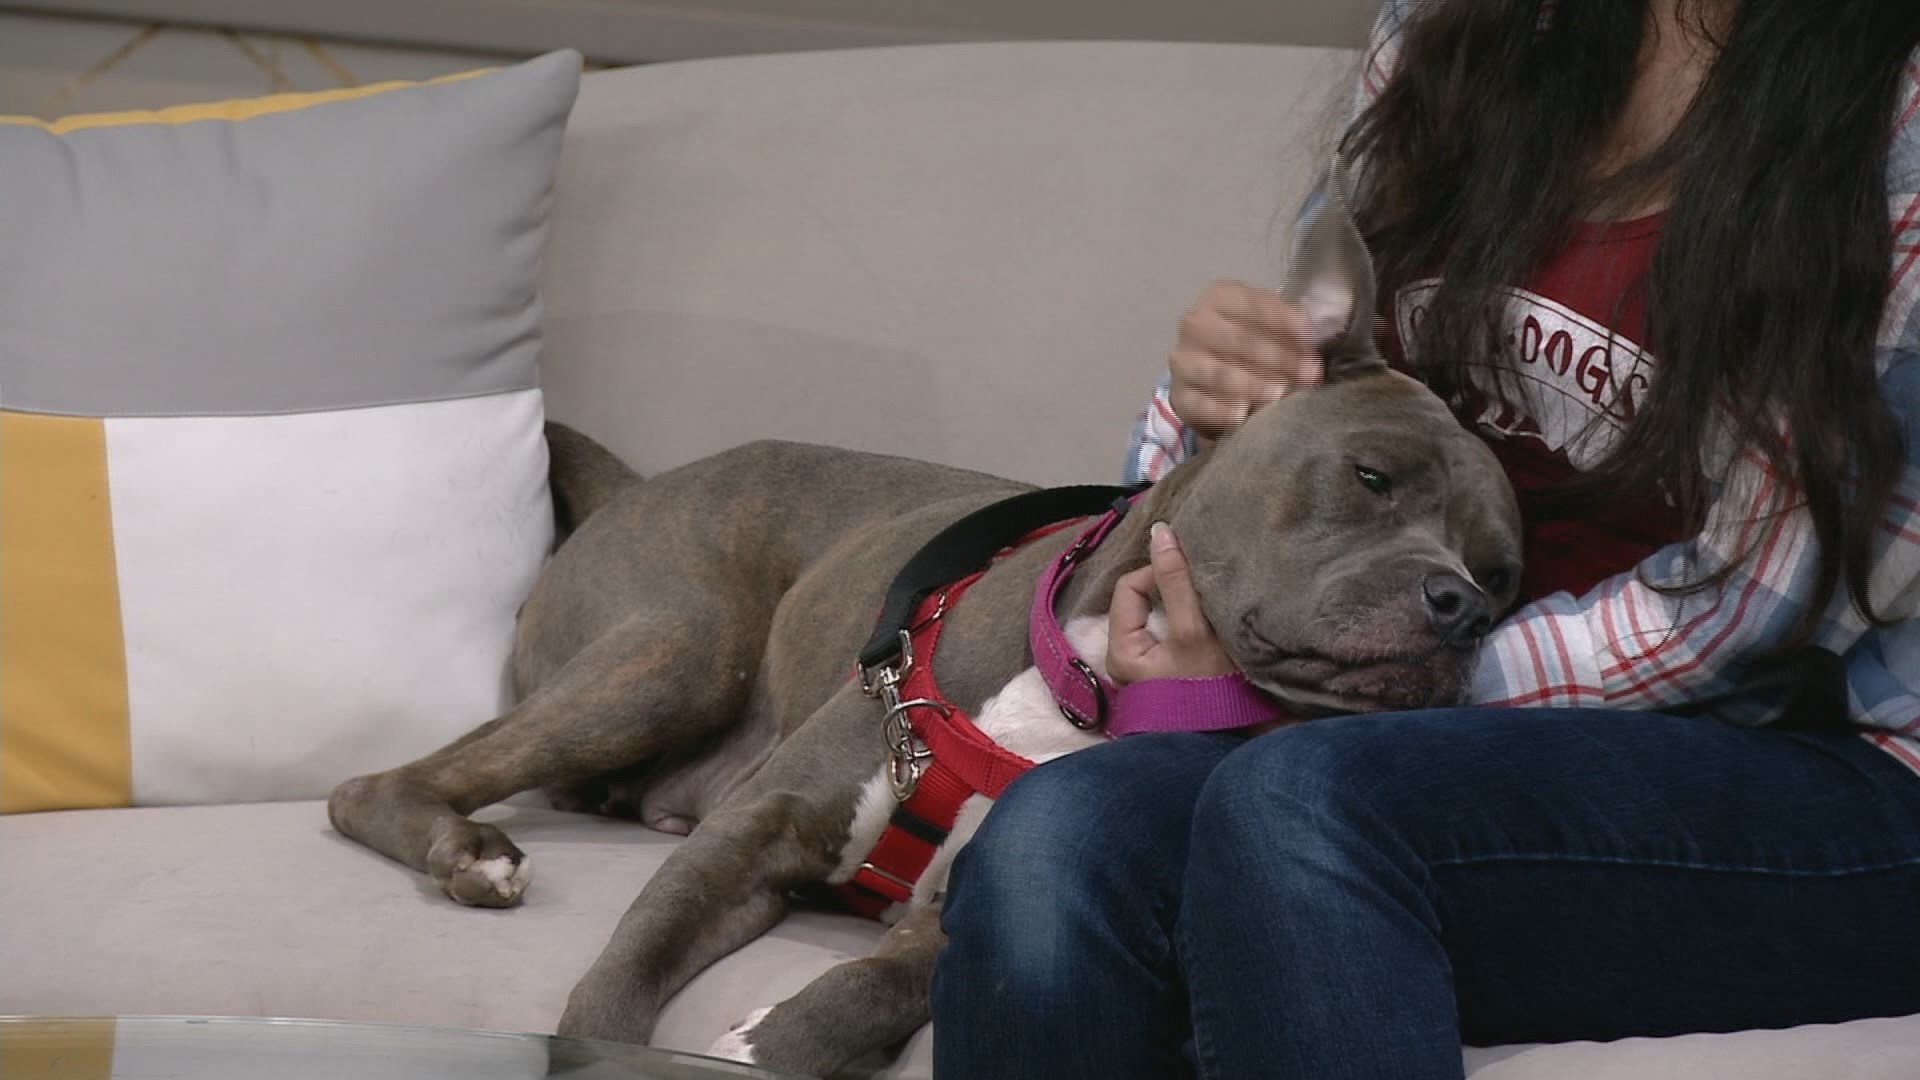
(1160, 536)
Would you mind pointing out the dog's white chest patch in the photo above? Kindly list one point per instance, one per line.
(1022, 718)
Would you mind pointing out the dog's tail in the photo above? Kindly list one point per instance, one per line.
(584, 476)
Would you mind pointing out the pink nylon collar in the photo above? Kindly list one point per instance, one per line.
(1221, 703)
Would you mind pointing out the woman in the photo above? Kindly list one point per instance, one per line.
(1644, 247)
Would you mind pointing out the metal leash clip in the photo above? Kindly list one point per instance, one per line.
(907, 754)
(874, 679)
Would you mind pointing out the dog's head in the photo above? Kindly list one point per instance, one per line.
(1352, 544)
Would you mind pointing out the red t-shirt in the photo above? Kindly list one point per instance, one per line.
(1570, 339)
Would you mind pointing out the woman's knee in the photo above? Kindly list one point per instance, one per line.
(1068, 883)
(1315, 788)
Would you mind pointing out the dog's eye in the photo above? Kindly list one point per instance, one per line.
(1376, 481)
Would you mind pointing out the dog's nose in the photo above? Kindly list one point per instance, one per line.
(1458, 609)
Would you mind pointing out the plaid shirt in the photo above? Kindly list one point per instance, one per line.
(1626, 646)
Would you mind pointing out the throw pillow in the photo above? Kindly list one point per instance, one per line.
(272, 479)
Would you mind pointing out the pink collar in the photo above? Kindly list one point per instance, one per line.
(1221, 703)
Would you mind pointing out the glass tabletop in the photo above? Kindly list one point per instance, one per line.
(221, 1048)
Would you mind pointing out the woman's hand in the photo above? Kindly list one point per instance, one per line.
(1190, 649)
(1239, 348)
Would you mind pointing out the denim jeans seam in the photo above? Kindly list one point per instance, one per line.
(1909, 862)
(1202, 1053)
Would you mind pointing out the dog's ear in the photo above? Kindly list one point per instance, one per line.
(1331, 276)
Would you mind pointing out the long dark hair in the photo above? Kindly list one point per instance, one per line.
(1773, 268)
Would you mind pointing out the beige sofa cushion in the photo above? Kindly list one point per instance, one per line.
(976, 255)
(264, 911)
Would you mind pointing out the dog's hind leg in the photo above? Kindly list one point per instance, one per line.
(662, 680)
(854, 1009)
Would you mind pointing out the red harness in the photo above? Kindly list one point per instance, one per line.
(961, 761)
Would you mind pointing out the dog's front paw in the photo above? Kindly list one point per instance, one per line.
(477, 865)
(737, 1043)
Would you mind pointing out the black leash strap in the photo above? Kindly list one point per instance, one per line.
(969, 544)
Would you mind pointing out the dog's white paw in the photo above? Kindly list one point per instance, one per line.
(475, 863)
(493, 882)
(735, 1044)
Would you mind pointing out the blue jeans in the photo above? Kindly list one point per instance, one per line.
(1358, 897)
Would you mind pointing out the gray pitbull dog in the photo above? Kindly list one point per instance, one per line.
(685, 660)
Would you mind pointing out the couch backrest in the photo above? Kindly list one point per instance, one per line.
(975, 254)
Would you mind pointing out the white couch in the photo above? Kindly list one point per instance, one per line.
(971, 253)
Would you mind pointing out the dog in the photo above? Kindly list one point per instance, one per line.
(685, 658)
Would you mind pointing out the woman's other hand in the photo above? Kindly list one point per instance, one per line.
(1190, 649)
(1239, 347)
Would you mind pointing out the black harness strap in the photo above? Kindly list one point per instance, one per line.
(968, 545)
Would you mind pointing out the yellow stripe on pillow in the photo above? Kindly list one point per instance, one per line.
(68, 1049)
(238, 109)
(64, 739)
